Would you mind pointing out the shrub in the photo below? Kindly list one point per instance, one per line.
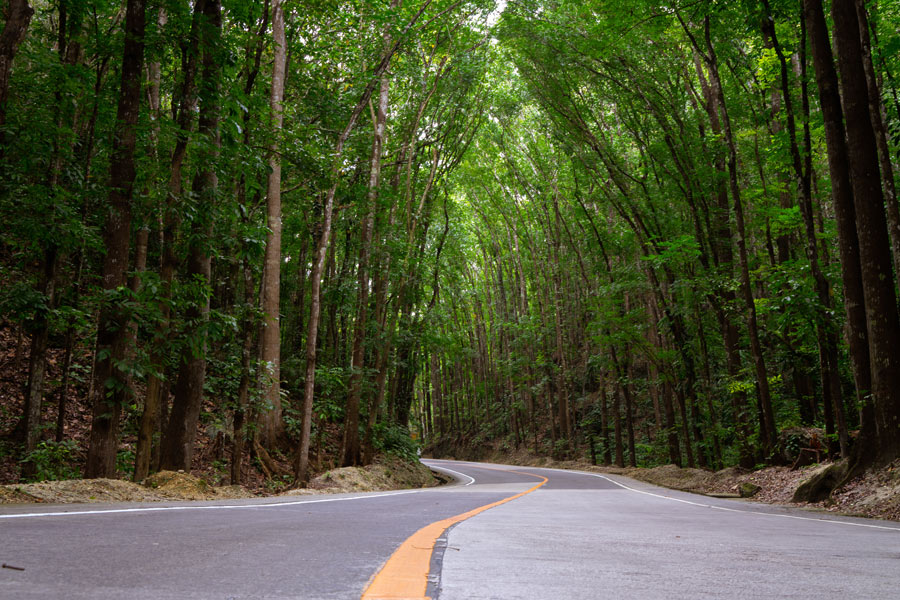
(392, 439)
(52, 461)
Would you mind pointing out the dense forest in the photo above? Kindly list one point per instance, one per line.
(652, 232)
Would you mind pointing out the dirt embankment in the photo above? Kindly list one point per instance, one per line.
(387, 474)
(875, 494)
(393, 474)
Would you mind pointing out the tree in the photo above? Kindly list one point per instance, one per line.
(18, 15)
(882, 320)
(177, 444)
(109, 389)
(271, 424)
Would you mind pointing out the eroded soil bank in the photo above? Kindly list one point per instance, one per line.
(387, 474)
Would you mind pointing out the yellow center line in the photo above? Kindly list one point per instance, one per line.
(405, 574)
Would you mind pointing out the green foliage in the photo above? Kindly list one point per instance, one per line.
(396, 440)
(125, 462)
(52, 461)
(647, 455)
(22, 303)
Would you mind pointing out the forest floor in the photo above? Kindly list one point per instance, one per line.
(875, 494)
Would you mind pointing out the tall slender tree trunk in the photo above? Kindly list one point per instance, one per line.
(249, 326)
(604, 423)
(243, 399)
(112, 331)
(767, 417)
(146, 427)
(671, 425)
(156, 399)
(301, 464)
(617, 426)
(177, 446)
(629, 418)
(882, 320)
(721, 244)
(271, 425)
(69, 51)
(878, 114)
(37, 365)
(826, 334)
(845, 213)
(351, 446)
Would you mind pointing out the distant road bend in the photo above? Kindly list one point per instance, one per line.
(502, 532)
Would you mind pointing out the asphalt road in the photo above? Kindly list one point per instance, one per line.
(576, 536)
(584, 536)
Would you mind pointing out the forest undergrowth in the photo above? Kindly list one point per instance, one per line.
(60, 465)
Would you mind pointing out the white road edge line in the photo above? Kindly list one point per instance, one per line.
(752, 512)
(471, 479)
(205, 506)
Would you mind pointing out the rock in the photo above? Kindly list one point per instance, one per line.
(748, 490)
(822, 482)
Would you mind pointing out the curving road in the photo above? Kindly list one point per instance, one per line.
(501, 532)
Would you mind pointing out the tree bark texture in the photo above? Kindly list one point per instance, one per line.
(177, 445)
(112, 331)
(878, 113)
(18, 16)
(351, 446)
(844, 207)
(883, 323)
(271, 425)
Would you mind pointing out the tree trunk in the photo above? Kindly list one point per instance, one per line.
(156, 400)
(249, 327)
(271, 425)
(722, 247)
(767, 418)
(883, 323)
(112, 330)
(617, 426)
(243, 399)
(18, 15)
(301, 464)
(350, 445)
(604, 424)
(69, 51)
(878, 113)
(826, 335)
(845, 213)
(177, 447)
(37, 365)
(671, 427)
